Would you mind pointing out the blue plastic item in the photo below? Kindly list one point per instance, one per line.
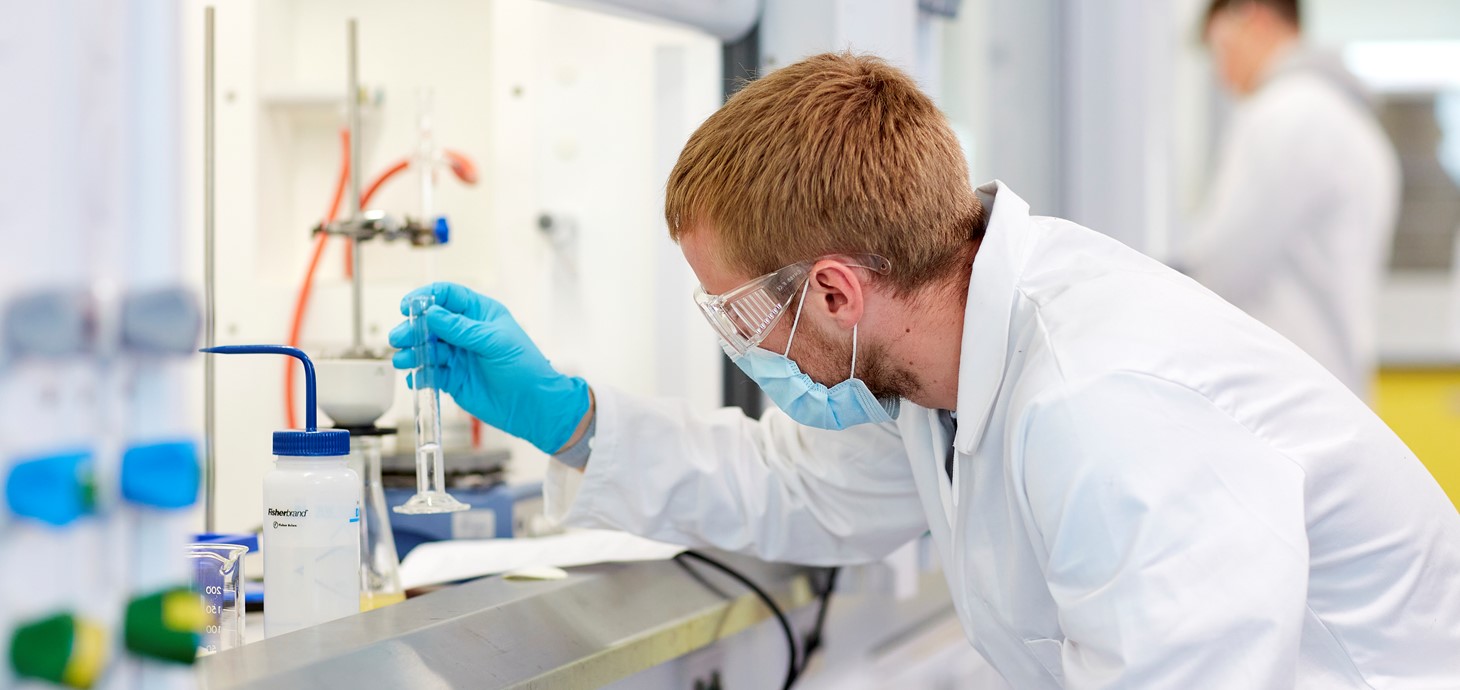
(55, 489)
(161, 475)
(493, 515)
(249, 541)
(253, 593)
(311, 441)
(443, 230)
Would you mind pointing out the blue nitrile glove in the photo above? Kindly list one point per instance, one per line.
(492, 369)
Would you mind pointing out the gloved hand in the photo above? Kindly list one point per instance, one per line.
(492, 369)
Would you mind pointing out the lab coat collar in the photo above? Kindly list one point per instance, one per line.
(991, 289)
(1298, 58)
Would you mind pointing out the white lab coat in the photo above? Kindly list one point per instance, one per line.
(1298, 225)
(1151, 489)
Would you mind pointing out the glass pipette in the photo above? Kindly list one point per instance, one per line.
(431, 496)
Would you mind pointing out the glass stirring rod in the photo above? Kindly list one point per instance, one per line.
(431, 496)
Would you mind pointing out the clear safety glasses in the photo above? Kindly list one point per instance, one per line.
(743, 316)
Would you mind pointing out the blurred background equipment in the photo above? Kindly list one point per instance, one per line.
(99, 320)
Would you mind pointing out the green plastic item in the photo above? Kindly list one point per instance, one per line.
(40, 650)
(59, 649)
(165, 625)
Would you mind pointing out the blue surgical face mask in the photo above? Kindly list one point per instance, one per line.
(846, 404)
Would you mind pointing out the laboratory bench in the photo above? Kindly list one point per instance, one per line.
(657, 624)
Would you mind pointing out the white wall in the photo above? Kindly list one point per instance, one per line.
(561, 110)
(1339, 21)
(1074, 106)
(1022, 144)
(963, 92)
(794, 29)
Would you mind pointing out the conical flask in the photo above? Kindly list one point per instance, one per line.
(379, 564)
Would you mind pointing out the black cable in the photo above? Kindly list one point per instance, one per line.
(792, 668)
(700, 578)
(813, 640)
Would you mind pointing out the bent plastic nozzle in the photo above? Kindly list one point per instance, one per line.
(311, 421)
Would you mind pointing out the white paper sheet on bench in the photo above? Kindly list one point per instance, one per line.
(461, 559)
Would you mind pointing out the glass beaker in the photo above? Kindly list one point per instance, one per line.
(379, 564)
(218, 578)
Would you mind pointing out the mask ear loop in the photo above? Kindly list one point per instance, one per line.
(797, 322)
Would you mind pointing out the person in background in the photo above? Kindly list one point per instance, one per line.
(1297, 226)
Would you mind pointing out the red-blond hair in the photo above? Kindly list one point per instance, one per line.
(836, 154)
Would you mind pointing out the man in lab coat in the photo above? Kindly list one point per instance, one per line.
(1129, 482)
(1298, 224)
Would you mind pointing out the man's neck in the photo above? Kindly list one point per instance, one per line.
(932, 341)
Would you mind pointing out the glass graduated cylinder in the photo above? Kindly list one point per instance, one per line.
(431, 496)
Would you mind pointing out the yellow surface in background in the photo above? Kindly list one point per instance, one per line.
(1423, 407)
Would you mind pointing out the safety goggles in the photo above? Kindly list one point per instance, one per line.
(743, 316)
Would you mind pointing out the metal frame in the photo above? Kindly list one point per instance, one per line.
(739, 61)
(210, 326)
(601, 624)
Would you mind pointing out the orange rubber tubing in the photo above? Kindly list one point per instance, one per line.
(464, 170)
(399, 166)
(301, 304)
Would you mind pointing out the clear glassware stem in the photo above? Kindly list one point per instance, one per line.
(431, 496)
(429, 462)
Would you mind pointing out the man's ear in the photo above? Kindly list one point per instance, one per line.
(837, 291)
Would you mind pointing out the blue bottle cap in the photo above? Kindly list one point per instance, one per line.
(315, 444)
(161, 475)
(311, 442)
(55, 489)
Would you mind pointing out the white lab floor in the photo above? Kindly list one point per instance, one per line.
(939, 658)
